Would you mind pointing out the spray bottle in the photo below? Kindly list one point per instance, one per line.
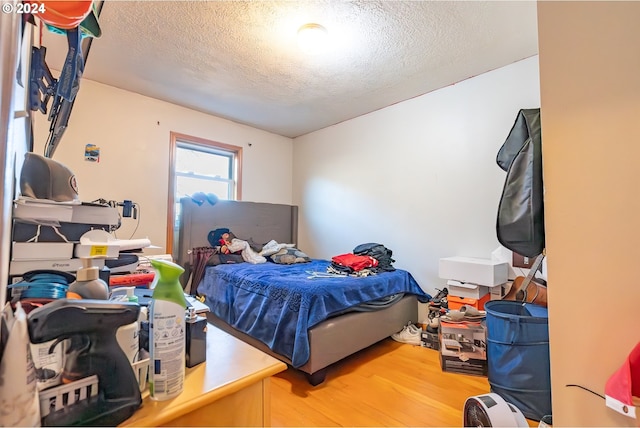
(167, 332)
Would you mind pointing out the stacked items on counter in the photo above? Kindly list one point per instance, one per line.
(85, 344)
(41, 244)
(128, 269)
(52, 230)
(81, 373)
(49, 235)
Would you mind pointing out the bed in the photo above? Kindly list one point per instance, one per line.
(284, 309)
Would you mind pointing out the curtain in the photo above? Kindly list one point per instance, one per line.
(198, 258)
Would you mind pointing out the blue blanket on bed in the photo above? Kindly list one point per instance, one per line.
(277, 304)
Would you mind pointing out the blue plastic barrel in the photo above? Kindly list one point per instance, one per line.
(518, 355)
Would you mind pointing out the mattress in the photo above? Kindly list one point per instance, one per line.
(278, 304)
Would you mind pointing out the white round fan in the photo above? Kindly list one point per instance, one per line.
(491, 410)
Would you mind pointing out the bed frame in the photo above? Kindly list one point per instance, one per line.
(331, 340)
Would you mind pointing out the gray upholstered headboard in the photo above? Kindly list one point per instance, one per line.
(258, 221)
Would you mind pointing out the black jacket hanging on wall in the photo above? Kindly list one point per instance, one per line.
(520, 224)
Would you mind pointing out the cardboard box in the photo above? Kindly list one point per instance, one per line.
(477, 271)
(467, 289)
(456, 302)
(497, 292)
(430, 340)
(463, 348)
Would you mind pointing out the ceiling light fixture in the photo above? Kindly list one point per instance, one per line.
(312, 38)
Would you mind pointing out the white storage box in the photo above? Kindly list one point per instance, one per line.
(19, 267)
(477, 271)
(42, 251)
(466, 289)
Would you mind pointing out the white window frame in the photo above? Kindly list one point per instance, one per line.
(196, 143)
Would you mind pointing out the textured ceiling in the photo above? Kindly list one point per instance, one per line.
(239, 59)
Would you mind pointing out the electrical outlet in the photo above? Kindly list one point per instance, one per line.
(521, 261)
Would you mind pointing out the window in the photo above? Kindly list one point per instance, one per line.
(199, 165)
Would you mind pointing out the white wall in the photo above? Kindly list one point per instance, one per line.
(419, 177)
(590, 92)
(132, 132)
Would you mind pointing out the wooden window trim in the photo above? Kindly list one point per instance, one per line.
(174, 138)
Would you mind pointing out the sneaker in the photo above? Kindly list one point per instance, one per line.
(440, 299)
(414, 328)
(435, 312)
(434, 324)
(407, 335)
(442, 294)
(432, 330)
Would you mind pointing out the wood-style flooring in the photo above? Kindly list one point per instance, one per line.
(387, 384)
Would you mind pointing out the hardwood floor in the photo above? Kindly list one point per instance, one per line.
(387, 384)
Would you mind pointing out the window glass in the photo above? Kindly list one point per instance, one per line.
(187, 186)
(200, 161)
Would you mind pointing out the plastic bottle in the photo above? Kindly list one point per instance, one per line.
(167, 332)
(127, 335)
(88, 283)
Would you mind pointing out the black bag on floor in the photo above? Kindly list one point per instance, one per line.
(520, 223)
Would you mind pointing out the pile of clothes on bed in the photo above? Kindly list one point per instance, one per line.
(226, 248)
(227, 245)
(366, 259)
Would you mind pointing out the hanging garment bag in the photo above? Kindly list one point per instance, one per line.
(520, 223)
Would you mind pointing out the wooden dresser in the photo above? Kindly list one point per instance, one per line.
(232, 388)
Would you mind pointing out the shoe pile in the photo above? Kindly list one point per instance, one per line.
(437, 307)
(409, 334)
(440, 300)
(465, 314)
(434, 323)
